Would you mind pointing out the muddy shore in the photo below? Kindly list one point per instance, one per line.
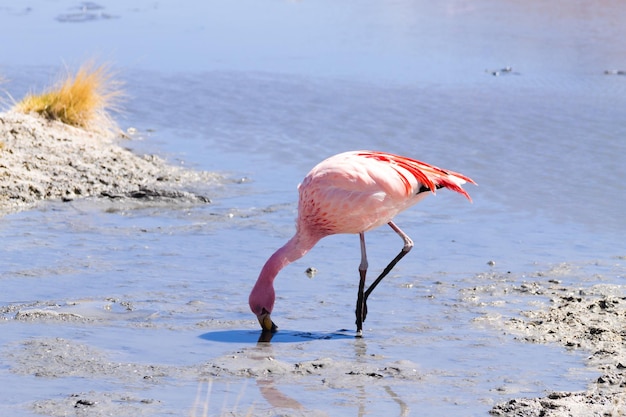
(47, 160)
(590, 319)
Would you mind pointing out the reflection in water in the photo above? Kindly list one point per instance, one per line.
(360, 353)
(274, 396)
(263, 351)
(277, 399)
(404, 409)
(266, 336)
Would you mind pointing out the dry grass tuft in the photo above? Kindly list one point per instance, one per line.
(204, 404)
(82, 100)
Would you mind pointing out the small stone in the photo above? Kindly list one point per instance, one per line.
(86, 403)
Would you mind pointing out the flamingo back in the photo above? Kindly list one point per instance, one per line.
(354, 192)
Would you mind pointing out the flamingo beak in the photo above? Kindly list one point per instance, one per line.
(266, 322)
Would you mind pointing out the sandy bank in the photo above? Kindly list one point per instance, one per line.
(591, 319)
(48, 160)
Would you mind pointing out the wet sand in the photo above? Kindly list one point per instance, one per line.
(43, 160)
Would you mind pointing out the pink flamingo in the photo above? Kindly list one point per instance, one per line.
(352, 192)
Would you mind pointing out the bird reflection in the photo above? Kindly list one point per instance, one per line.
(275, 398)
(267, 387)
(266, 337)
(404, 408)
(360, 353)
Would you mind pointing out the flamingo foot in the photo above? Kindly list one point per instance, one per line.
(361, 313)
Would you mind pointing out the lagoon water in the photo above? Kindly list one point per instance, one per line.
(260, 91)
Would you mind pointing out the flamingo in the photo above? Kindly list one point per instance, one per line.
(352, 192)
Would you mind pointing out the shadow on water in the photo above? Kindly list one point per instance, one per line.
(281, 336)
(271, 387)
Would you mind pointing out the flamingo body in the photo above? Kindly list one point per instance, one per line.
(355, 192)
(352, 192)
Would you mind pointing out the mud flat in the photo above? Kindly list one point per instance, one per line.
(48, 160)
(43, 160)
(591, 319)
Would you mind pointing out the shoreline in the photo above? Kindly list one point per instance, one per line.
(42, 160)
(588, 319)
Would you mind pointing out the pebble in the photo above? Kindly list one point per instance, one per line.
(311, 272)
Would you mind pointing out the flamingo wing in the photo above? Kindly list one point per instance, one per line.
(354, 192)
(429, 176)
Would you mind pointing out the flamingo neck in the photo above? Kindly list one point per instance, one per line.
(262, 295)
(291, 251)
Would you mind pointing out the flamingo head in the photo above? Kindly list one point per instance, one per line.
(261, 303)
(266, 322)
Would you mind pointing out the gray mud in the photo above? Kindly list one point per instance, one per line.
(590, 319)
(586, 319)
(63, 359)
(48, 160)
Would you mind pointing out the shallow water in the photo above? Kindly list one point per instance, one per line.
(261, 91)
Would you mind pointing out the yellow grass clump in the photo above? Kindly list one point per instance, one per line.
(82, 100)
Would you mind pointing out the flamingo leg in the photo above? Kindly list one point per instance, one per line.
(408, 245)
(360, 299)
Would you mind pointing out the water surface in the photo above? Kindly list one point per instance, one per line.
(261, 91)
